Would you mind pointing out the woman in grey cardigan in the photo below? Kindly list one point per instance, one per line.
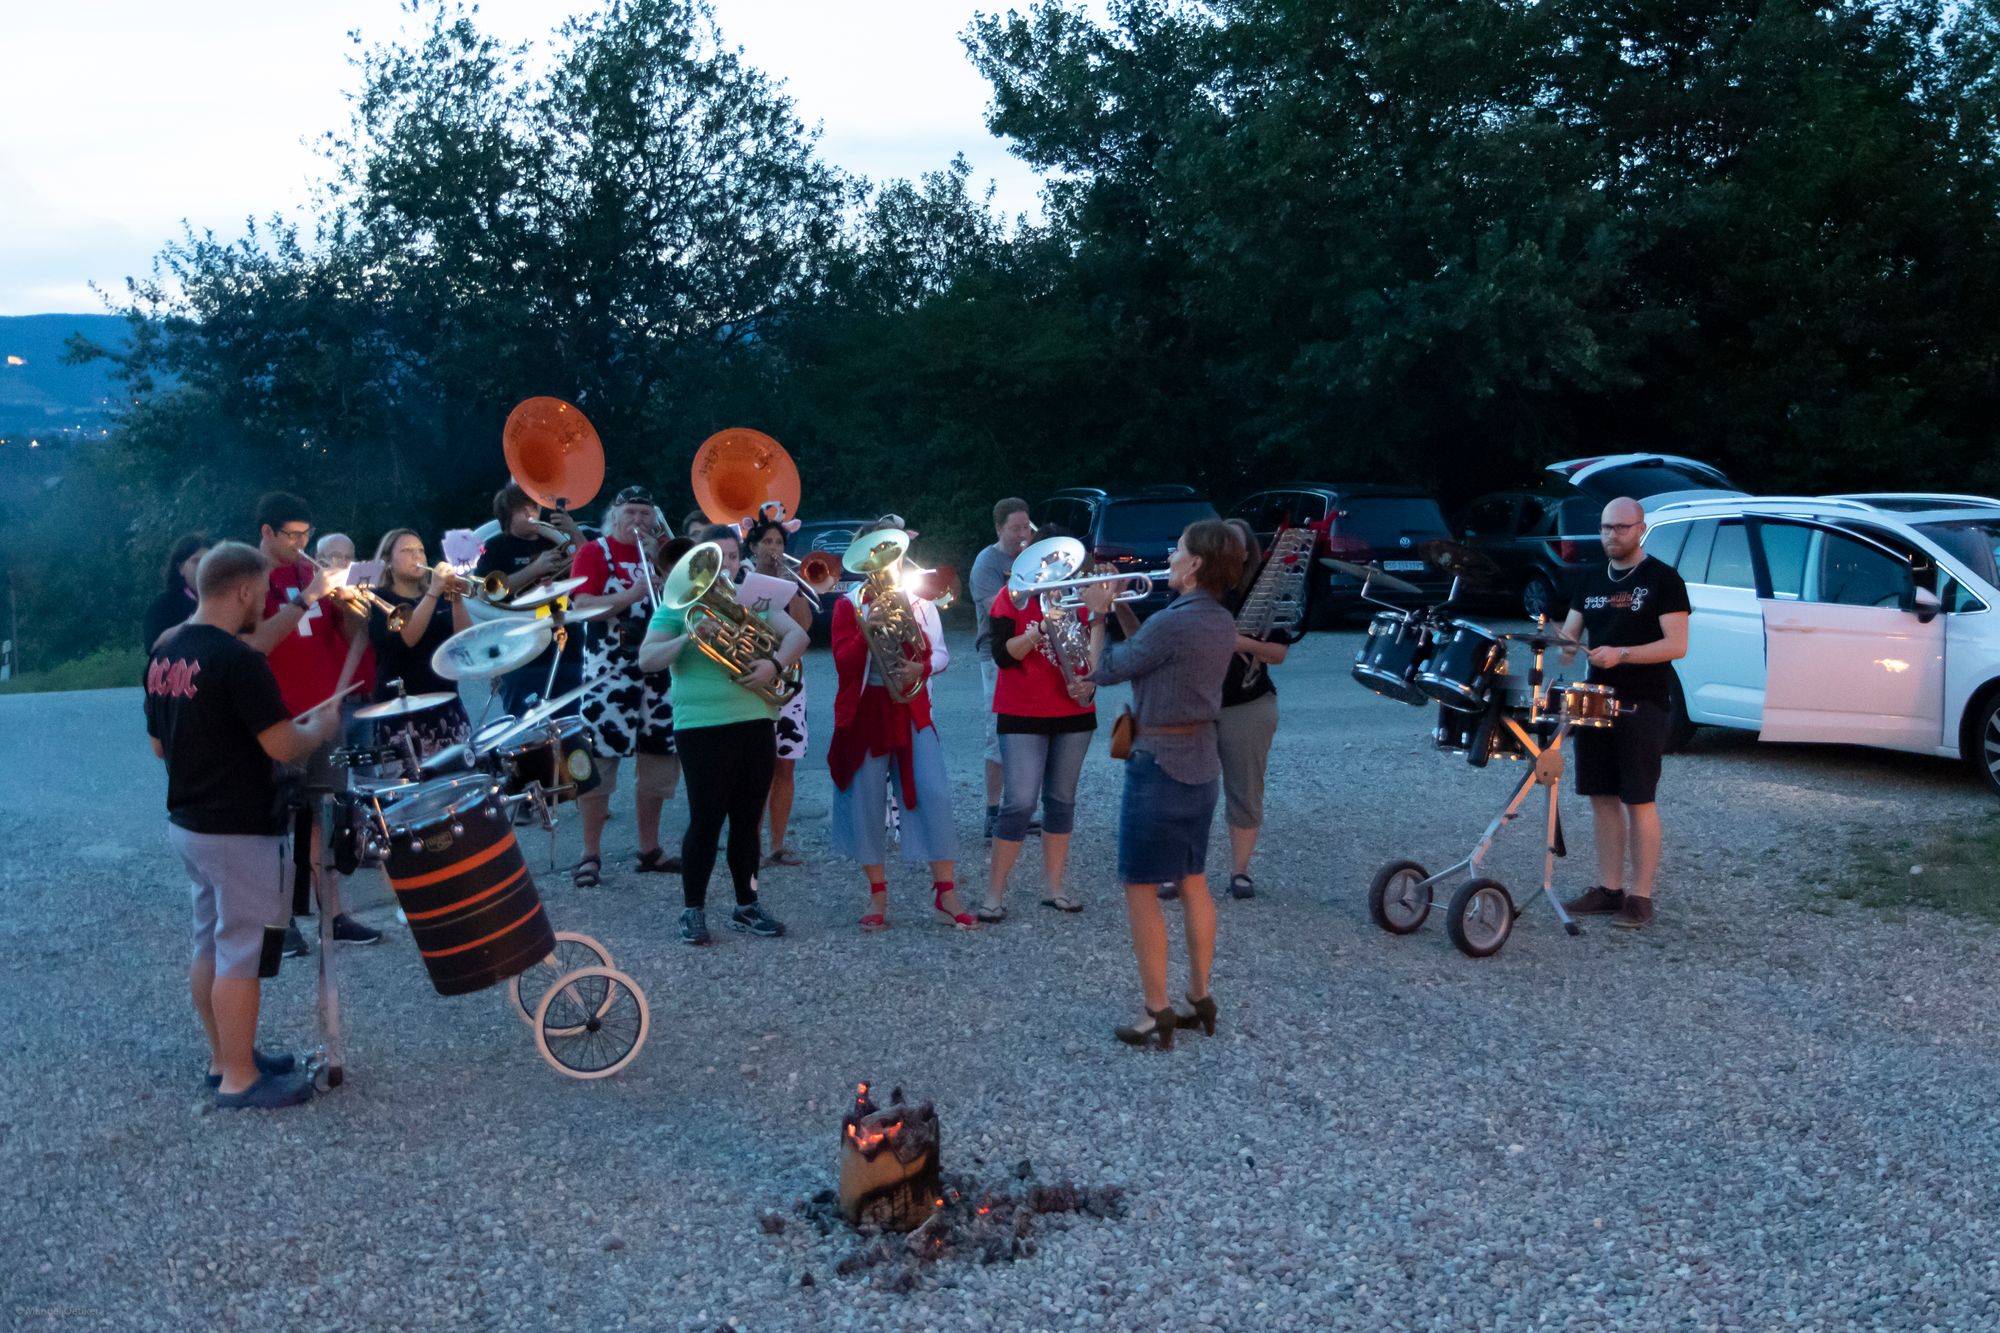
(1176, 663)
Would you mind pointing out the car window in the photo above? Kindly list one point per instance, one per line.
(1693, 563)
(1665, 542)
(1533, 510)
(1577, 519)
(1974, 543)
(1382, 521)
(1850, 573)
(1303, 507)
(1256, 511)
(1489, 518)
(1785, 549)
(1130, 522)
(1729, 560)
(1655, 477)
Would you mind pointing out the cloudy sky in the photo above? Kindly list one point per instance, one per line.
(118, 118)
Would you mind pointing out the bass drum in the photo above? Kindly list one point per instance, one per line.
(1397, 647)
(463, 885)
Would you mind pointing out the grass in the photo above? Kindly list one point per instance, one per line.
(1949, 868)
(105, 669)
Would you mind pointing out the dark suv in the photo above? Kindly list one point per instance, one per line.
(833, 536)
(1380, 525)
(1133, 531)
(1539, 540)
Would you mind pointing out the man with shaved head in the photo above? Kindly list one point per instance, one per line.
(1633, 613)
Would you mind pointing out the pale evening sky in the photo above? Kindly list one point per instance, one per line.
(118, 118)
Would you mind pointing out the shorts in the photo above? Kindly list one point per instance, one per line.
(989, 677)
(1624, 759)
(1243, 736)
(239, 885)
(1162, 824)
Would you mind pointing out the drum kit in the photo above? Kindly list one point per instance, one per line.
(1485, 711)
(445, 840)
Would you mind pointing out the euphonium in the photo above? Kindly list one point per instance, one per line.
(888, 620)
(1040, 571)
(738, 639)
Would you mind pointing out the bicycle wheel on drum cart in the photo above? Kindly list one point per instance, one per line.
(591, 1022)
(573, 953)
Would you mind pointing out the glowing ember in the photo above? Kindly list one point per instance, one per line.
(888, 1163)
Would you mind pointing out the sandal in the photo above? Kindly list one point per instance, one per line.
(1062, 902)
(585, 873)
(783, 856)
(657, 862)
(878, 918)
(991, 913)
(945, 916)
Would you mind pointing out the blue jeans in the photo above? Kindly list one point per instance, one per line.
(1044, 766)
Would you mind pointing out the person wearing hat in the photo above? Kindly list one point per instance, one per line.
(627, 709)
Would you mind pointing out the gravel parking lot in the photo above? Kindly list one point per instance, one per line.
(1770, 1110)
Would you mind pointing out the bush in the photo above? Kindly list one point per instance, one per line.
(105, 669)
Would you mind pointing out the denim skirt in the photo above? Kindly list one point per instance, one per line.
(1162, 824)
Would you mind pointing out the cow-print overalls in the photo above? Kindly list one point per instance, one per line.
(627, 708)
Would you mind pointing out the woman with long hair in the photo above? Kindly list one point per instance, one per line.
(176, 600)
(1176, 663)
(765, 540)
(725, 736)
(403, 656)
(1249, 720)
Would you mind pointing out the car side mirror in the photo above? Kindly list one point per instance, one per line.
(1925, 604)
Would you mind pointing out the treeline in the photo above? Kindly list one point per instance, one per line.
(1443, 241)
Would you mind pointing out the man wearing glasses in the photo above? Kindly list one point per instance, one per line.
(315, 648)
(1633, 613)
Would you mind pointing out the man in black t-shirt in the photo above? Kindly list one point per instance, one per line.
(527, 556)
(216, 718)
(1633, 613)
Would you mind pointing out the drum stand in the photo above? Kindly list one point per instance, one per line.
(1482, 912)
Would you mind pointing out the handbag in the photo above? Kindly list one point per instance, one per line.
(1124, 731)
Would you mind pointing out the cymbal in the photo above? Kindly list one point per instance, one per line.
(1368, 573)
(491, 649)
(587, 613)
(536, 598)
(415, 703)
(534, 717)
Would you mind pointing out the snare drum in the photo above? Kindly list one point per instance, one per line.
(1457, 729)
(1396, 649)
(1462, 665)
(564, 763)
(1590, 705)
(460, 880)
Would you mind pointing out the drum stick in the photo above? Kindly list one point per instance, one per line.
(300, 720)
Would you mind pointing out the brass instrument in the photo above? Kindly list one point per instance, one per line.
(719, 625)
(1277, 600)
(359, 596)
(888, 620)
(1050, 564)
(553, 453)
(491, 588)
(738, 471)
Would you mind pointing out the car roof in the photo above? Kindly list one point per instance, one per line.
(1161, 492)
(1947, 509)
(1347, 488)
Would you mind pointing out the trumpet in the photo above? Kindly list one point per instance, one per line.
(492, 588)
(358, 595)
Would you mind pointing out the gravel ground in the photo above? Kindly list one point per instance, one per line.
(1769, 1111)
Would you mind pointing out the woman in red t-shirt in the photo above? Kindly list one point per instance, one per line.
(1045, 715)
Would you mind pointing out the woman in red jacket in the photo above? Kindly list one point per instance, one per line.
(873, 737)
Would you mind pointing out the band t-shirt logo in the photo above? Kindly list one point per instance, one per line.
(208, 697)
(308, 661)
(1625, 613)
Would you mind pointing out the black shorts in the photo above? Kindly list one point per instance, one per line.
(1624, 759)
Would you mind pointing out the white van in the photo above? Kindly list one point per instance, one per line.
(1863, 619)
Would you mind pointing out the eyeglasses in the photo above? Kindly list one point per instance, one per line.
(296, 534)
(1619, 528)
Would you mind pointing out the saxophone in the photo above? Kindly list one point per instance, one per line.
(888, 621)
(727, 633)
(1277, 599)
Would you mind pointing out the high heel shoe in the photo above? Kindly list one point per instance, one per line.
(956, 920)
(1197, 1014)
(1160, 1023)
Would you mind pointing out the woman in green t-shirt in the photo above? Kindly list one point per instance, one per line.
(726, 736)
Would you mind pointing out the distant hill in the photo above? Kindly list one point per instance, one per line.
(38, 393)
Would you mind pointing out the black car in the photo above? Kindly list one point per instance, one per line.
(1539, 540)
(1387, 526)
(833, 536)
(1132, 531)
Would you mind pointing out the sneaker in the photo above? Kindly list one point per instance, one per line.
(753, 919)
(1241, 886)
(694, 926)
(349, 931)
(268, 1093)
(281, 1063)
(1169, 892)
(1634, 913)
(1595, 901)
(295, 943)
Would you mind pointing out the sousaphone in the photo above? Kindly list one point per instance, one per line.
(738, 471)
(553, 453)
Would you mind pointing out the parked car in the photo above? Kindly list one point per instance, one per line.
(1861, 619)
(1539, 540)
(833, 536)
(1366, 524)
(1133, 531)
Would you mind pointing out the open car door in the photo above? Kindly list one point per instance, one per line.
(1858, 655)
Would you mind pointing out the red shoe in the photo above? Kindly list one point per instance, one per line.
(956, 920)
(877, 919)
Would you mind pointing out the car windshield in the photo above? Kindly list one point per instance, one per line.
(1973, 542)
(1130, 522)
(1639, 480)
(834, 536)
(1383, 522)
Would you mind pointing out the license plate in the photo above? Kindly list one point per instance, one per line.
(1402, 564)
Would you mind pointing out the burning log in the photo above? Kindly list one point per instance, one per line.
(889, 1163)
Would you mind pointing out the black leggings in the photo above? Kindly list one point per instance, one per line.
(728, 774)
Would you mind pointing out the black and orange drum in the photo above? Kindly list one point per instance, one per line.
(561, 757)
(463, 885)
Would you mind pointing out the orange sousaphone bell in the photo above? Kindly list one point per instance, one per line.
(553, 453)
(736, 473)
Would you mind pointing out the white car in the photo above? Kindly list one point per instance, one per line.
(1862, 619)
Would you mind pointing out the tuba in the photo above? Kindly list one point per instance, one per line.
(1040, 571)
(553, 453)
(739, 471)
(695, 586)
(888, 618)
